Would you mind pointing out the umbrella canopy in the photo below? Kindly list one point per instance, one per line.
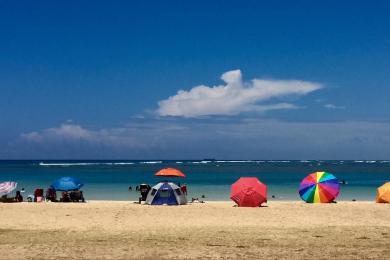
(383, 193)
(170, 172)
(67, 184)
(7, 187)
(248, 192)
(319, 187)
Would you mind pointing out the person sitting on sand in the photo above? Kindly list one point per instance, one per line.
(65, 197)
(3, 198)
(76, 196)
(18, 197)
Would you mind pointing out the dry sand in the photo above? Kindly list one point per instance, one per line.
(213, 230)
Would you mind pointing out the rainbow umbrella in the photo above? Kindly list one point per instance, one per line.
(319, 187)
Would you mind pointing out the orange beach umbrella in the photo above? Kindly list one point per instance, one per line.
(383, 193)
(169, 172)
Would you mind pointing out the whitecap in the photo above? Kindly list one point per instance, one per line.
(151, 162)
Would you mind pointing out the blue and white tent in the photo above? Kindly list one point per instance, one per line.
(166, 193)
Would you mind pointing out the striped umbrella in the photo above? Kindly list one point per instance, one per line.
(319, 187)
(7, 187)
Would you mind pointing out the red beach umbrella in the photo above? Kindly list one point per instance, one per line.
(169, 172)
(248, 192)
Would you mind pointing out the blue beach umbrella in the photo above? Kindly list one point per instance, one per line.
(67, 184)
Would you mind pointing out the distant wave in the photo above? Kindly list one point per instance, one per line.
(360, 161)
(237, 161)
(370, 161)
(151, 162)
(200, 162)
(122, 163)
(83, 164)
(240, 161)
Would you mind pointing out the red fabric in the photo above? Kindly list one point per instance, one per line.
(170, 172)
(248, 192)
(38, 193)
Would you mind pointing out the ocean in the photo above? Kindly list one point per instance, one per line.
(110, 180)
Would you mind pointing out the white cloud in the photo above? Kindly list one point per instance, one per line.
(65, 131)
(234, 97)
(333, 106)
(73, 133)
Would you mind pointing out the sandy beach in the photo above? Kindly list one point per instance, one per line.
(213, 230)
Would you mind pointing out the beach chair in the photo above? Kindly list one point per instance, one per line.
(144, 190)
(38, 195)
(51, 195)
(77, 196)
(65, 197)
(30, 198)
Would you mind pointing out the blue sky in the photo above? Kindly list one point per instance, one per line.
(303, 80)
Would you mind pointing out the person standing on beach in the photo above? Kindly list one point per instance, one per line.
(184, 189)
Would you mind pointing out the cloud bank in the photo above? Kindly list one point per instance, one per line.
(234, 97)
(197, 139)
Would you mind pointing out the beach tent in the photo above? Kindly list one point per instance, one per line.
(319, 187)
(169, 172)
(383, 193)
(248, 192)
(166, 193)
(67, 184)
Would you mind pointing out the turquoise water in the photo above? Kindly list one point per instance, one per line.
(109, 180)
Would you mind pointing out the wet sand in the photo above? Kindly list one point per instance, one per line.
(213, 230)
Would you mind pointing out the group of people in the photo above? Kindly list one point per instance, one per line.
(18, 197)
(73, 196)
(50, 195)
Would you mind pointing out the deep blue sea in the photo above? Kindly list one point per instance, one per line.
(110, 180)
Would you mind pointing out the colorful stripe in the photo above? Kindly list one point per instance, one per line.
(319, 187)
(7, 187)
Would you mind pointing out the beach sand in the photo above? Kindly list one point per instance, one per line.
(213, 230)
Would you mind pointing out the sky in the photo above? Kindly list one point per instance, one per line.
(194, 79)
